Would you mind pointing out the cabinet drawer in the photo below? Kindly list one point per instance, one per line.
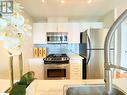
(76, 68)
(73, 65)
(75, 61)
(75, 71)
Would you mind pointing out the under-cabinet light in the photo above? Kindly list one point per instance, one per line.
(43, 1)
(89, 1)
(62, 1)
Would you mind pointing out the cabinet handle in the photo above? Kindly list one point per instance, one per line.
(89, 56)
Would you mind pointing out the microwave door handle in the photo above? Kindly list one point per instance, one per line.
(61, 38)
(48, 38)
(89, 43)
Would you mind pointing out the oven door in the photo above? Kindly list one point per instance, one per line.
(53, 71)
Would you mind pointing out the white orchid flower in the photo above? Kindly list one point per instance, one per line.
(13, 30)
(17, 20)
(3, 24)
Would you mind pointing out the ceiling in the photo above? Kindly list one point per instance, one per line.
(71, 8)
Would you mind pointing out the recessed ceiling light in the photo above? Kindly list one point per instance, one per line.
(62, 1)
(89, 1)
(43, 1)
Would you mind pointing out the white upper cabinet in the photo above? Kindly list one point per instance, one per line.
(52, 27)
(57, 27)
(83, 26)
(63, 27)
(87, 25)
(73, 33)
(73, 30)
(39, 33)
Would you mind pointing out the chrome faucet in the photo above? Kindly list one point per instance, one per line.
(107, 64)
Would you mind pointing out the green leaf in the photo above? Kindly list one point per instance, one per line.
(27, 78)
(18, 90)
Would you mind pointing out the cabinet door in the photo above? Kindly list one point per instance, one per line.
(39, 33)
(38, 68)
(57, 27)
(73, 33)
(86, 25)
(52, 27)
(76, 71)
(83, 26)
(63, 27)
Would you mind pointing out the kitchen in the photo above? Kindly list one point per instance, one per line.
(57, 38)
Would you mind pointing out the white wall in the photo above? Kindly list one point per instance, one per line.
(65, 19)
(121, 8)
(109, 18)
(57, 19)
(4, 65)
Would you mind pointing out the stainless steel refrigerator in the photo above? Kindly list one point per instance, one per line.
(92, 49)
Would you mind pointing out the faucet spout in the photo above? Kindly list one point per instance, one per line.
(107, 64)
(118, 67)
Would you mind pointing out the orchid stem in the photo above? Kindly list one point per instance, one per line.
(11, 70)
(20, 65)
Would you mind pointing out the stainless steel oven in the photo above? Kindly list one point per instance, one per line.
(56, 71)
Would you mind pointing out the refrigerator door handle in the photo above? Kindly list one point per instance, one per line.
(89, 43)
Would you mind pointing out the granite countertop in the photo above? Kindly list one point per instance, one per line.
(56, 87)
(36, 60)
(121, 83)
(4, 85)
(75, 56)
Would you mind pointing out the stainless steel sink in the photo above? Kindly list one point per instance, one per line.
(91, 90)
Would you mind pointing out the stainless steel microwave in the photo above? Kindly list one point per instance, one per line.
(57, 37)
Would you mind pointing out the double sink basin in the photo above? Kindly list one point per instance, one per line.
(91, 90)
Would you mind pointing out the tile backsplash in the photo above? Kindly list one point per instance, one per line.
(60, 48)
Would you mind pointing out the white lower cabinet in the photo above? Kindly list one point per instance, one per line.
(76, 71)
(38, 68)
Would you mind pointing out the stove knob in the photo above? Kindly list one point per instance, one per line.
(44, 58)
(67, 58)
(49, 59)
(62, 58)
